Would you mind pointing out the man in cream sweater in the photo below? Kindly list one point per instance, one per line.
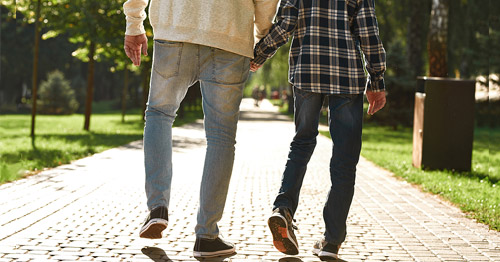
(210, 41)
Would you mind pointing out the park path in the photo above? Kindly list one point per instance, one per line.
(91, 210)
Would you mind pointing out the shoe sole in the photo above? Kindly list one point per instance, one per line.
(325, 256)
(328, 257)
(220, 253)
(281, 240)
(153, 229)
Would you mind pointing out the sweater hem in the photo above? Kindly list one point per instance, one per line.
(231, 44)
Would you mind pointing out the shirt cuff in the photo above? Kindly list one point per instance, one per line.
(135, 29)
(376, 85)
(258, 59)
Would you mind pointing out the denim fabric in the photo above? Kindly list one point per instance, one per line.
(176, 66)
(345, 121)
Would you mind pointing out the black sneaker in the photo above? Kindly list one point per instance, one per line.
(206, 248)
(155, 223)
(282, 228)
(326, 251)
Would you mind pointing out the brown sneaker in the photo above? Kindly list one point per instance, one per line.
(282, 228)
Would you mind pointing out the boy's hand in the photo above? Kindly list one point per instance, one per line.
(254, 67)
(133, 46)
(376, 101)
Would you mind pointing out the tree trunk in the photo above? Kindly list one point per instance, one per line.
(416, 37)
(124, 94)
(90, 86)
(438, 39)
(35, 68)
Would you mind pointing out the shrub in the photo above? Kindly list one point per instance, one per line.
(56, 95)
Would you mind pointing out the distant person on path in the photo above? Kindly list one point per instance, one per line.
(195, 40)
(256, 96)
(325, 61)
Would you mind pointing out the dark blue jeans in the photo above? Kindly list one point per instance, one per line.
(345, 121)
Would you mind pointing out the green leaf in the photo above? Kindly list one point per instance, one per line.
(50, 34)
(81, 53)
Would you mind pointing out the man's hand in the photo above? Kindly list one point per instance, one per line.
(133, 45)
(376, 101)
(254, 67)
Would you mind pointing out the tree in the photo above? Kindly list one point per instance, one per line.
(494, 37)
(438, 39)
(417, 30)
(56, 95)
(15, 77)
(35, 65)
(116, 54)
(25, 6)
(94, 25)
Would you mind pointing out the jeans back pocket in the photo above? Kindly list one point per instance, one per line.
(229, 68)
(167, 58)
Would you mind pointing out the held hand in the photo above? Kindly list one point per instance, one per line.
(254, 67)
(376, 101)
(133, 46)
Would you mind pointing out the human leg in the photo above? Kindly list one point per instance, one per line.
(170, 78)
(307, 110)
(222, 78)
(345, 116)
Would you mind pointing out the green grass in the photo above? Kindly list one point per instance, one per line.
(476, 192)
(61, 139)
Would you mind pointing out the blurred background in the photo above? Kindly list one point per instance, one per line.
(80, 42)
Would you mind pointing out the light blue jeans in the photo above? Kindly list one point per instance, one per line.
(222, 74)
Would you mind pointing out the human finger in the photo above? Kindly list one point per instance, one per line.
(145, 47)
(137, 54)
(371, 107)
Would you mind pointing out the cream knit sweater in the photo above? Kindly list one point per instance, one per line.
(224, 24)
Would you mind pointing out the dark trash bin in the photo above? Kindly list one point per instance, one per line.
(443, 123)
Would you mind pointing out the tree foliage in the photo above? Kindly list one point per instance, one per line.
(56, 95)
(69, 28)
(438, 38)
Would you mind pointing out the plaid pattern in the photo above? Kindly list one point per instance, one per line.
(331, 40)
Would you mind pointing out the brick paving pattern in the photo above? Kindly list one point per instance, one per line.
(91, 210)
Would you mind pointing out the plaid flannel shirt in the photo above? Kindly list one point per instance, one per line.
(333, 42)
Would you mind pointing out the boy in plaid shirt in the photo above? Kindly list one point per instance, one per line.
(334, 42)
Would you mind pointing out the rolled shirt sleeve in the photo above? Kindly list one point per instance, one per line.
(135, 12)
(365, 28)
(280, 32)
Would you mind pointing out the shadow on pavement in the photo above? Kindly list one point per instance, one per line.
(296, 259)
(290, 259)
(216, 259)
(263, 116)
(156, 254)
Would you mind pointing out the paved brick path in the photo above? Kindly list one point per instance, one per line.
(91, 210)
